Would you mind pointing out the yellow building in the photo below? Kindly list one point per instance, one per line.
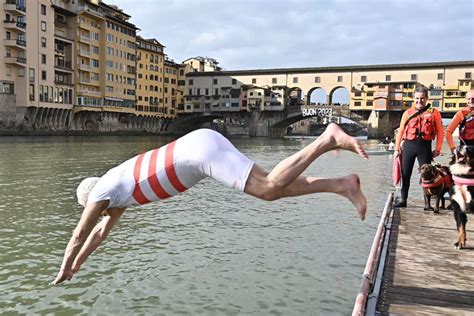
(174, 87)
(119, 58)
(150, 73)
(89, 38)
(104, 71)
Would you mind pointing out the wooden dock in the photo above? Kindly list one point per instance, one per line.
(424, 274)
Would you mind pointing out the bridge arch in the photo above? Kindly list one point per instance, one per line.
(317, 95)
(339, 95)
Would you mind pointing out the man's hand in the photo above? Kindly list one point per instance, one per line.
(435, 153)
(63, 275)
(396, 153)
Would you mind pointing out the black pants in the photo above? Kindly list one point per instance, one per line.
(419, 149)
(466, 142)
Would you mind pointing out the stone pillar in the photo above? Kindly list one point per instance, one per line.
(381, 124)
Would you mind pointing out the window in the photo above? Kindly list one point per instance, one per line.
(32, 74)
(440, 76)
(467, 75)
(43, 9)
(191, 82)
(388, 78)
(357, 103)
(414, 77)
(317, 79)
(370, 103)
(9, 70)
(21, 72)
(7, 88)
(43, 26)
(254, 80)
(43, 42)
(339, 78)
(32, 92)
(43, 74)
(95, 36)
(234, 81)
(295, 80)
(363, 78)
(275, 80)
(43, 59)
(215, 82)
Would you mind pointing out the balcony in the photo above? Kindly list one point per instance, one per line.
(18, 61)
(89, 82)
(13, 25)
(17, 43)
(63, 82)
(85, 53)
(89, 92)
(60, 23)
(13, 6)
(85, 39)
(84, 67)
(63, 65)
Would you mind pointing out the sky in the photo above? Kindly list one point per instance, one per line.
(260, 34)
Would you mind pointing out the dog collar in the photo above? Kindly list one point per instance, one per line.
(463, 181)
(440, 179)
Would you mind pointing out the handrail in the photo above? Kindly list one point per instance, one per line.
(369, 271)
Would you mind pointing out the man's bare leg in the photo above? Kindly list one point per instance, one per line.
(333, 138)
(348, 186)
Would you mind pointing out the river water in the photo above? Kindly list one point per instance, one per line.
(209, 251)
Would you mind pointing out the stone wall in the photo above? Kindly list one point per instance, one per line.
(10, 114)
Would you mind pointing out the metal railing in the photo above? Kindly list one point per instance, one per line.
(376, 255)
(17, 5)
(63, 64)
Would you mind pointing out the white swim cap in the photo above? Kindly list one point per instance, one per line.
(84, 188)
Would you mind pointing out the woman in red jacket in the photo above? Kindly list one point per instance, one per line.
(419, 126)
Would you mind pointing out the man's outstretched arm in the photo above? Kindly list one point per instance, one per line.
(98, 234)
(87, 222)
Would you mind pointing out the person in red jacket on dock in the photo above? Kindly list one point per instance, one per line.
(465, 120)
(419, 126)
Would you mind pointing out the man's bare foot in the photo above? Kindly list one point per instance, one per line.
(340, 140)
(351, 190)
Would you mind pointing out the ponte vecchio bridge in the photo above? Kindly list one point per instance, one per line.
(269, 100)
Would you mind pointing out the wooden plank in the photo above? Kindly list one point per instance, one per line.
(424, 274)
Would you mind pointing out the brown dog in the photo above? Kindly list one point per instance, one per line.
(436, 181)
(462, 169)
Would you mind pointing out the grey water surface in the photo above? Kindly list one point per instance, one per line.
(209, 251)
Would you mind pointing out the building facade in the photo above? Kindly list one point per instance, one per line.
(150, 73)
(202, 64)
